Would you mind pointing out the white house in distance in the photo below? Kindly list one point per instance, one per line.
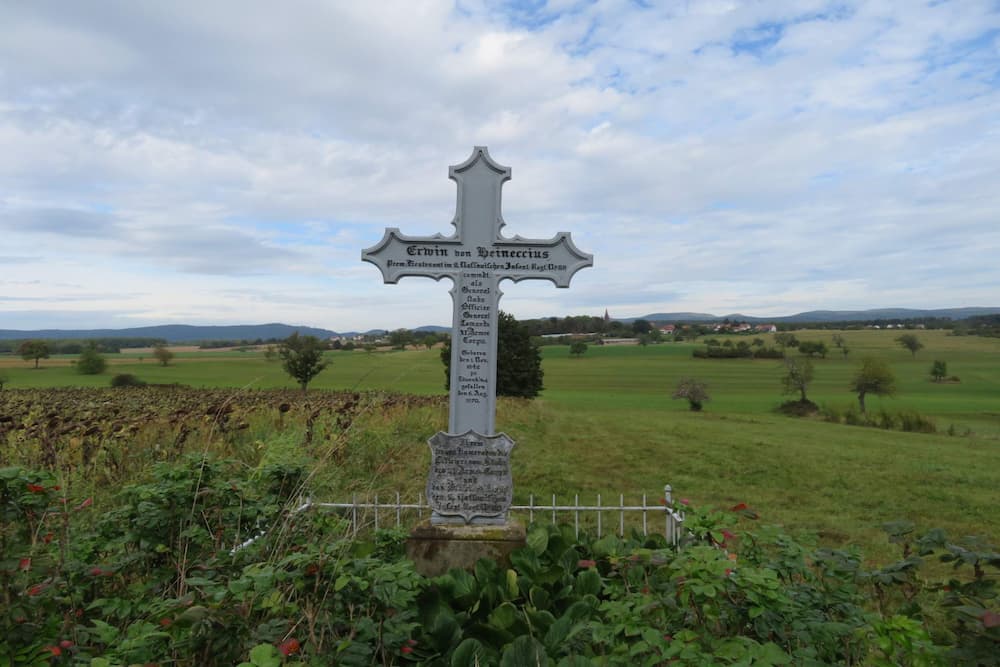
(766, 328)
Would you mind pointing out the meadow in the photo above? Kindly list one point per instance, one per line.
(606, 424)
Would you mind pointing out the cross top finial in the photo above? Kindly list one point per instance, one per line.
(478, 218)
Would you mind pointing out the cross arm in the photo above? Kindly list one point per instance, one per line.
(398, 255)
(556, 259)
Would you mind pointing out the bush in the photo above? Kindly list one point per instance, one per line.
(832, 413)
(722, 352)
(910, 421)
(800, 408)
(694, 391)
(91, 362)
(915, 422)
(854, 417)
(126, 380)
(109, 587)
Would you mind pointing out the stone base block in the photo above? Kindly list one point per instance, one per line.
(435, 549)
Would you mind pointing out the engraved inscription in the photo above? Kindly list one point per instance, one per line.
(475, 314)
(470, 476)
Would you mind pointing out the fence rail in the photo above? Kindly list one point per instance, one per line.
(364, 513)
(372, 515)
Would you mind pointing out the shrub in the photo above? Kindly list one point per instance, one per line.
(800, 408)
(155, 579)
(722, 352)
(915, 422)
(910, 421)
(853, 417)
(884, 419)
(694, 391)
(832, 413)
(126, 380)
(813, 347)
(91, 362)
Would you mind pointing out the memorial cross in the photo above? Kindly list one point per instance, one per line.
(476, 258)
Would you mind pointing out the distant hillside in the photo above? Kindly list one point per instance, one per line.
(176, 333)
(826, 315)
(185, 333)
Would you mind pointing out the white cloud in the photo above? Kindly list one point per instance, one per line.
(228, 162)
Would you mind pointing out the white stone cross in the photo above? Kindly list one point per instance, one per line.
(476, 258)
(470, 478)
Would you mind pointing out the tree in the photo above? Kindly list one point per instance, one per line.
(430, 340)
(784, 340)
(939, 370)
(873, 376)
(813, 347)
(798, 376)
(90, 361)
(641, 327)
(838, 341)
(34, 350)
(400, 338)
(911, 343)
(694, 391)
(519, 361)
(577, 348)
(162, 354)
(302, 358)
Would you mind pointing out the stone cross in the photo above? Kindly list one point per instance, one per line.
(476, 258)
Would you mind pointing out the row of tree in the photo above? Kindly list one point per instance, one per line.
(74, 346)
(873, 376)
(91, 361)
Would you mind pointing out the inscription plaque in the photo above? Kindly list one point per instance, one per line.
(470, 476)
(476, 258)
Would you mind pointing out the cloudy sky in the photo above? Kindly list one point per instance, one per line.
(226, 162)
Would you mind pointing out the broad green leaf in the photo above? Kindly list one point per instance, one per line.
(504, 616)
(469, 652)
(588, 582)
(525, 651)
(538, 540)
(539, 597)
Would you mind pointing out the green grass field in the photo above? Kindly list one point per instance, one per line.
(606, 424)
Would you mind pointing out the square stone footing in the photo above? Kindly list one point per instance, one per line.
(435, 549)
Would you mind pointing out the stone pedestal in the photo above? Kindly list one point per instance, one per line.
(435, 549)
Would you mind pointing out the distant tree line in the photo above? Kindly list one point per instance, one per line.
(981, 325)
(243, 342)
(73, 346)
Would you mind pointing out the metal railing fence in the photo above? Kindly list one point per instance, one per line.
(376, 513)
